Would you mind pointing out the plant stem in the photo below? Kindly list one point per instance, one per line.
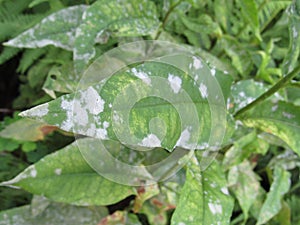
(280, 84)
(164, 22)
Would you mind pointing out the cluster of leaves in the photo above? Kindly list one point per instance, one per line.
(252, 46)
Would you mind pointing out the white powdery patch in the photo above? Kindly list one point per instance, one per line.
(215, 208)
(142, 75)
(203, 90)
(94, 103)
(80, 115)
(288, 115)
(197, 63)
(151, 141)
(33, 172)
(175, 83)
(68, 107)
(181, 223)
(38, 111)
(102, 132)
(225, 190)
(274, 108)
(213, 72)
(184, 138)
(295, 33)
(58, 171)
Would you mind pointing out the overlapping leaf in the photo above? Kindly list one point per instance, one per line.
(131, 18)
(66, 177)
(204, 197)
(57, 29)
(279, 187)
(281, 119)
(147, 91)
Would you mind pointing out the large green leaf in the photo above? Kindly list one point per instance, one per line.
(57, 29)
(65, 176)
(53, 214)
(204, 197)
(272, 204)
(153, 105)
(245, 185)
(281, 119)
(131, 18)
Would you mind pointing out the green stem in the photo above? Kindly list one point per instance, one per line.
(164, 22)
(280, 84)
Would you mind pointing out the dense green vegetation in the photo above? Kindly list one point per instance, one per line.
(213, 85)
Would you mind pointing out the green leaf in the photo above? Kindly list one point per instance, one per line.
(100, 110)
(281, 119)
(272, 204)
(250, 13)
(243, 148)
(245, 185)
(270, 10)
(26, 130)
(54, 213)
(57, 29)
(65, 176)
(292, 57)
(246, 91)
(204, 197)
(131, 18)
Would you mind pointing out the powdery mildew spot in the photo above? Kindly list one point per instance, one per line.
(215, 208)
(39, 111)
(151, 141)
(142, 75)
(58, 171)
(203, 90)
(197, 63)
(175, 83)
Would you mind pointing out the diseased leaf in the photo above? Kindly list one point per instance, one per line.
(190, 110)
(245, 185)
(65, 176)
(57, 29)
(281, 119)
(131, 18)
(55, 213)
(272, 204)
(292, 56)
(27, 130)
(204, 197)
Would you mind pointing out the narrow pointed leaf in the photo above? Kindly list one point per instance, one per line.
(204, 197)
(57, 29)
(292, 57)
(65, 176)
(245, 185)
(272, 204)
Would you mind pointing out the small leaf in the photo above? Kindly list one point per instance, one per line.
(57, 29)
(281, 119)
(244, 184)
(272, 204)
(65, 176)
(204, 197)
(27, 130)
(291, 59)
